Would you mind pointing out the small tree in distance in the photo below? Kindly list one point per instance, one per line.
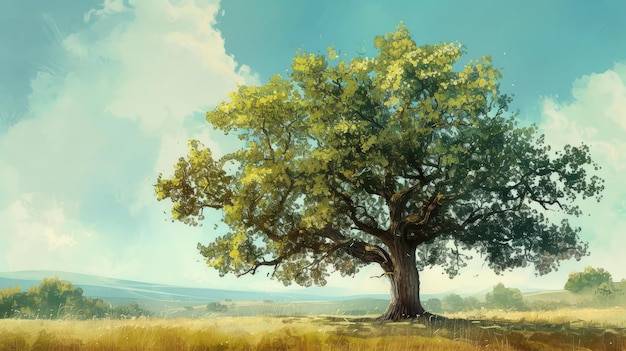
(216, 307)
(471, 303)
(588, 280)
(452, 303)
(397, 160)
(505, 298)
(433, 304)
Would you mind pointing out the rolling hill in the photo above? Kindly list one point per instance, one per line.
(114, 290)
(178, 301)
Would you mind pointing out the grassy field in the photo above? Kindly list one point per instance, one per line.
(494, 330)
(242, 333)
(609, 317)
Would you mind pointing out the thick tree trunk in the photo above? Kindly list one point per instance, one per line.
(405, 287)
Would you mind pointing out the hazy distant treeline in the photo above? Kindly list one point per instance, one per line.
(55, 298)
(593, 287)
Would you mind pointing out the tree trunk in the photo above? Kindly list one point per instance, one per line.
(405, 286)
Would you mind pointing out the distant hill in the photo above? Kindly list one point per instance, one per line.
(553, 295)
(121, 291)
(177, 301)
(114, 290)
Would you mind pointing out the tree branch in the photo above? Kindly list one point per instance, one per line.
(352, 209)
(359, 249)
(367, 253)
(399, 200)
(422, 217)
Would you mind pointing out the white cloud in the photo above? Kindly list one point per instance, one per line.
(42, 235)
(597, 117)
(172, 62)
(109, 7)
(115, 107)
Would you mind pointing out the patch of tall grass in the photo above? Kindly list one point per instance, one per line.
(261, 333)
(606, 317)
(317, 333)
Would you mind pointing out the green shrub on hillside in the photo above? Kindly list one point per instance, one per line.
(54, 299)
(588, 280)
(433, 305)
(216, 307)
(452, 303)
(505, 298)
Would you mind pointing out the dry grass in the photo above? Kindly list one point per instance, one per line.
(609, 317)
(244, 333)
(318, 333)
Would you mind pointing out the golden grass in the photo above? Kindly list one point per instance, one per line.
(244, 333)
(317, 333)
(610, 317)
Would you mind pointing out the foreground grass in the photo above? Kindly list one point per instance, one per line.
(245, 333)
(547, 331)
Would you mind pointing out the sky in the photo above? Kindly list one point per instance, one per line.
(99, 97)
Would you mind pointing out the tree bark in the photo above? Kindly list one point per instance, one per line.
(405, 285)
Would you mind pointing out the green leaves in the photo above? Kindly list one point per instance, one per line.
(198, 182)
(396, 150)
(505, 298)
(588, 280)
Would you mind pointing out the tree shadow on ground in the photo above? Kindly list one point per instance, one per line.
(520, 335)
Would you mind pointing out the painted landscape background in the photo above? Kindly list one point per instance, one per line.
(140, 316)
(98, 97)
(167, 301)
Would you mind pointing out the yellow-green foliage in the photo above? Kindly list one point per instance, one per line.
(386, 160)
(52, 298)
(587, 280)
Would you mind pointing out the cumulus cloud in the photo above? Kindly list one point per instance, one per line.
(115, 107)
(597, 116)
(41, 230)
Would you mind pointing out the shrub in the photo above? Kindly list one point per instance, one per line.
(452, 303)
(433, 305)
(216, 307)
(505, 298)
(588, 280)
(471, 303)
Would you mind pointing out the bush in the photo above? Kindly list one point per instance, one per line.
(216, 307)
(505, 298)
(452, 303)
(588, 280)
(471, 303)
(432, 305)
(52, 299)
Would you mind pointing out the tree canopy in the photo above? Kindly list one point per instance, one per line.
(408, 159)
(588, 280)
(452, 303)
(502, 297)
(53, 298)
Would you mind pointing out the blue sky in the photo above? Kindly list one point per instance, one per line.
(98, 97)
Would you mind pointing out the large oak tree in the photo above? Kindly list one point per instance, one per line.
(406, 160)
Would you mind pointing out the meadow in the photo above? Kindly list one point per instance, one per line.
(571, 329)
